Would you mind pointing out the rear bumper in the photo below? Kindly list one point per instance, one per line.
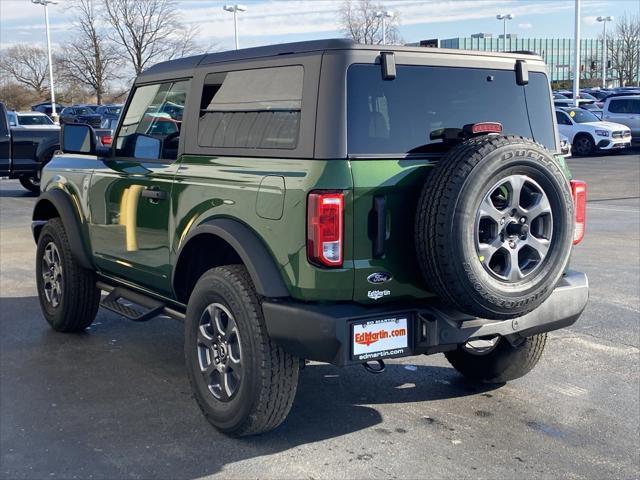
(323, 332)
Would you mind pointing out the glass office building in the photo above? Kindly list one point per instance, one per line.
(556, 52)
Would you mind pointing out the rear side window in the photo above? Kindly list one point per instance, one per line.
(258, 108)
(624, 105)
(403, 116)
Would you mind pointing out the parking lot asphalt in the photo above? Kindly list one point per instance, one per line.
(115, 402)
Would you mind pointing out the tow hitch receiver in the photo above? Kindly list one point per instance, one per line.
(368, 366)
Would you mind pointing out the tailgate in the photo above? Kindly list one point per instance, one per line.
(385, 196)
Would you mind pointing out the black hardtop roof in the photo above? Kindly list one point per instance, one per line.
(184, 67)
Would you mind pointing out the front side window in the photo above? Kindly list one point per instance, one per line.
(408, 114)
(154, 111)
(562, 118)
(258, 108)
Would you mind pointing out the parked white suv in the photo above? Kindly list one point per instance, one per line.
(624, 110)
(587, 133)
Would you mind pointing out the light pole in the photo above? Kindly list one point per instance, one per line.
(384, 15)
(235, 9)
(46, 3)
(504, 18)
(576, 56)
(604, 21)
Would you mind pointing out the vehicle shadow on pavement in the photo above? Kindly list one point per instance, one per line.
(15, 193)
(115, 402)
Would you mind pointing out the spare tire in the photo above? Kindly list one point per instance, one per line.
(494, 226)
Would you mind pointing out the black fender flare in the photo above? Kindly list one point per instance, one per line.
(46, 146)
(63, 204)
(252, 251)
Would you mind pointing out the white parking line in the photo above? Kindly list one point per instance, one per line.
(628, 210)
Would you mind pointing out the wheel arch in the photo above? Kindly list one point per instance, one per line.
(232, 242)
(56, 203)
(583, 133)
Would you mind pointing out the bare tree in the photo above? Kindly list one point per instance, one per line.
(90, 59)
(27, 65)
(17, 96)
(623, 49)
(359, 22)
(149, 31)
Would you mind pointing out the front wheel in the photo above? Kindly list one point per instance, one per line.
(243, 382)
(583, 145)
(68, 295)
(499, 363)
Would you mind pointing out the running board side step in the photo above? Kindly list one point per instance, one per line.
(135, 306)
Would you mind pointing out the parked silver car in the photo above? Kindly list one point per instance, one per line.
(624, 110)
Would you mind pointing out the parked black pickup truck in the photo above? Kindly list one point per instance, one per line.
(23, 152)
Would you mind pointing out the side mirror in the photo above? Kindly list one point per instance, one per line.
(147, 146)
(78, 138)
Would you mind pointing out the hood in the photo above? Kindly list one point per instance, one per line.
(607, 125)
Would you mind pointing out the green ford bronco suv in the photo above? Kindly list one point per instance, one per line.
(320, 201)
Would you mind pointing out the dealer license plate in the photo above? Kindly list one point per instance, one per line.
(379, 338)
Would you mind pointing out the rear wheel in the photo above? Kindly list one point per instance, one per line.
(500, 362)
(243, 382)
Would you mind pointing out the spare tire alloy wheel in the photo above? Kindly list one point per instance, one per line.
(220, 352)
(494, 226)
(514, 228)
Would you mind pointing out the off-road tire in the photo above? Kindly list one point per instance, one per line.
(447, 207)
(270, 375)
(503, 364)
(80, 299)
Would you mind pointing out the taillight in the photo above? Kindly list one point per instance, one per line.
(325, 218)
(579, 193)
(106, 140)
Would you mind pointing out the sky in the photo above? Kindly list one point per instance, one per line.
(278, 21)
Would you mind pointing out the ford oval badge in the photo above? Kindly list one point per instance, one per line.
(379, 277)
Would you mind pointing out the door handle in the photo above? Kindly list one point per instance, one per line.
(153, 193)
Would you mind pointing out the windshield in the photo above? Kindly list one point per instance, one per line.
(12, 119)
(404, 115)
(34, 120)
(579, 115)
(83, 111)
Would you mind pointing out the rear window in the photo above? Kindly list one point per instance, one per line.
(34, 120)
(252, 108)
(399, 117)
